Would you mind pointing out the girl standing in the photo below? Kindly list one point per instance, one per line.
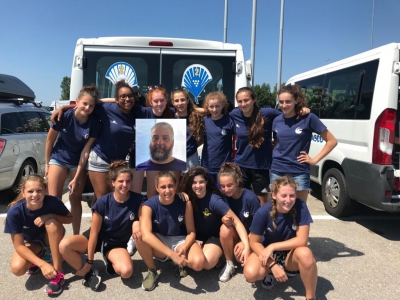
(219, 129)
(35, 220)
(167, 231)
(114, 217)
(293, 137)
(186, 109)
(253, 141)
(243, 202)
(253, 130)
(75, 133)
(209, 208)
(278, 237)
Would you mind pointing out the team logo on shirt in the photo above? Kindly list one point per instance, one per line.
(269, 229)
(237, 125)
(223, 132)
(114, 122)
(294, 227)
(25, 227)
(155, 221)
(64, 130)
(106, 218)
(86, 136)
(298, 130)
(206, 212)
(132, 217)
(246, 213)
(180, 218)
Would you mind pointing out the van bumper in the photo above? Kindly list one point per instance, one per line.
(371, 185)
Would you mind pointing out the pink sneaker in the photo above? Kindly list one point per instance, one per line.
(55, 285)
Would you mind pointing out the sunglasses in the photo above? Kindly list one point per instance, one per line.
(123, 96)
(182, 88)
(155, 87)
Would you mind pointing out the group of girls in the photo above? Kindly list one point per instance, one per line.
(101, 138)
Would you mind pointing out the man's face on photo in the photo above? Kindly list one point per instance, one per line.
(161, 144)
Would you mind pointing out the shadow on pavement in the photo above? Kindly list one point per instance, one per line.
(326, 249)
(293, 288)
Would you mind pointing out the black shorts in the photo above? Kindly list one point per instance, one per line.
(104, 247)
(257, 179)
(280, 258)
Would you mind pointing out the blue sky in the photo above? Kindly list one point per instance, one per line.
(38, 37)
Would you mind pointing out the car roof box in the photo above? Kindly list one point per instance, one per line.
(12, 87)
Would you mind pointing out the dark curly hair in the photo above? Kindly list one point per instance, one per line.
(187, 181)
(297, 94)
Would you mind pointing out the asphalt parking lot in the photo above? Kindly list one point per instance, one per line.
(357, 258)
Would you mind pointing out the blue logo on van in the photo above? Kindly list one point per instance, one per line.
(317, 138)
(195, 78)
(122, 70)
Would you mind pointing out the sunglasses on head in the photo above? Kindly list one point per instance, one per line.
(182, 88)
(155, 87)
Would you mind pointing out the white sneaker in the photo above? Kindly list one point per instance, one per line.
(131, 247)
(227, 272)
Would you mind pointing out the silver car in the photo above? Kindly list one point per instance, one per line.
(23, 132)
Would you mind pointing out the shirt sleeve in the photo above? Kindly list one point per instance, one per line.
(219, 206)
(99, 206)
(303, 214)
(13, 223)
(270, 113)
(57, 127)
(316, 125)
(260, 221)
(59, 207)
(253, 204)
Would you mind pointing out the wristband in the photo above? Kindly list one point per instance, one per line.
(270, 267)
(89, 261)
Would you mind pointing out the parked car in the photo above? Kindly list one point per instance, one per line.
(23, 131)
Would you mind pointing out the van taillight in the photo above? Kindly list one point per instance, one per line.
(72, 102)
(161, 44)
(2, 145)
(384, 137)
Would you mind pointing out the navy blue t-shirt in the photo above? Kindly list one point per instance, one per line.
(285, 227)
(72, 137)
(118, 218)
(217, 147)
(207, 216)
(169, 219)
(293, 136)
(246, 156)
(245, 207)
(118, 131)
(175, 165)
(20, 219)
(191, 143)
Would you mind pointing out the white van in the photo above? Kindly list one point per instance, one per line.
(200, 66)
(357, 99)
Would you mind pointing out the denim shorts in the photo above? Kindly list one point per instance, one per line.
(96, 164)
(63, 165)
(302, 180)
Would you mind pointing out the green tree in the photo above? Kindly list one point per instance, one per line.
(264, 96)
(65, 85)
